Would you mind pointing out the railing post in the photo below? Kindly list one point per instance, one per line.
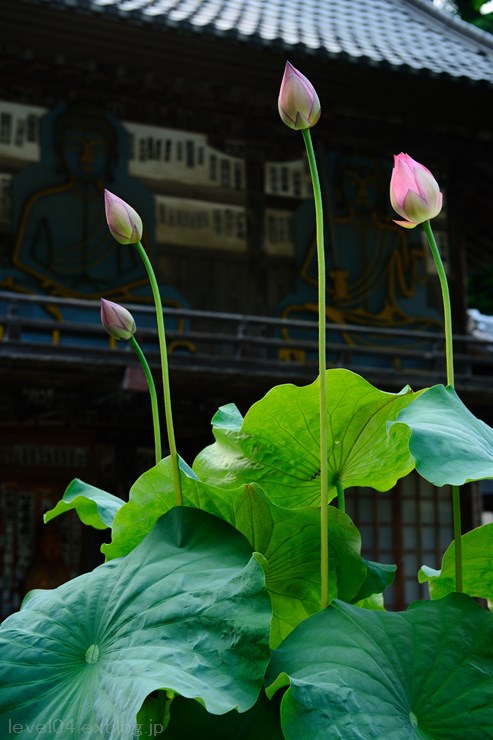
(13, 333)
(240, 333)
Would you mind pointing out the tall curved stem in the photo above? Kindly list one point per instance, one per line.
(449, 355)
(322, 362)
(153, 396)
(165, 373)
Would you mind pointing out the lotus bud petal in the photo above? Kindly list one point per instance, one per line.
(124, 223)
(118, 322)
(299, 106)
(414, 192)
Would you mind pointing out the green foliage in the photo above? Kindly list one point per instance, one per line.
(171, 635)
(277, 444)
(378, 577)
(94, 507)
(477, 559)
(287, 539)
(449, 444)
(355, 673)
(186, 610)
(469, 11)
(186, 616)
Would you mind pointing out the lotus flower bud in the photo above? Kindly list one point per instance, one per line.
(118, 322)
(414, 192)
(299, 106)
(124, 223)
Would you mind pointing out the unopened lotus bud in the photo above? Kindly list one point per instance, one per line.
(123, 221)
(118, 322)
(414, 192)
(299, 106)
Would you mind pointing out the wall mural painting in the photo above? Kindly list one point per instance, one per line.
(376, 271)
(62, 245)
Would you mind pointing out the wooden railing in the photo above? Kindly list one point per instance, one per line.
(52, 329)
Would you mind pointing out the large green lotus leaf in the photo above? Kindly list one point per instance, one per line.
(375, 601)
(187, 610)
(379, 577)
(151, 496)
(94, 507)
(477, 566)
(289, 539)
(277, 444)
(449, 444)
(357, 674)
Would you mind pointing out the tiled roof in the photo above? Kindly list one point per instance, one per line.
(410, 34)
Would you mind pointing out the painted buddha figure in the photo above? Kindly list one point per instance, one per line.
(376, 271)
(62, 238)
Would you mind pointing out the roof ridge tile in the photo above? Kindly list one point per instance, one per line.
(411, 34)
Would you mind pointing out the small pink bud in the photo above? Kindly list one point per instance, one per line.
(414, 192)
(124, 223)
(299, 106)
(117, 321)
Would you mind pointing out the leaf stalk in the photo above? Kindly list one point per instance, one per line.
(165, 373)
(322, 362)
(449, 356)
(153, 396)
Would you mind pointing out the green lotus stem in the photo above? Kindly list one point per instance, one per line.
(447, 313)
(341, 502)
(457, 538)
(153, 396)
(449, 355)
(165, 373)
(322, 362)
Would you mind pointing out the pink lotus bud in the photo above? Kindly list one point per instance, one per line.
(124, 223)
(414, 192)
(299, 106)
(117, 321)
